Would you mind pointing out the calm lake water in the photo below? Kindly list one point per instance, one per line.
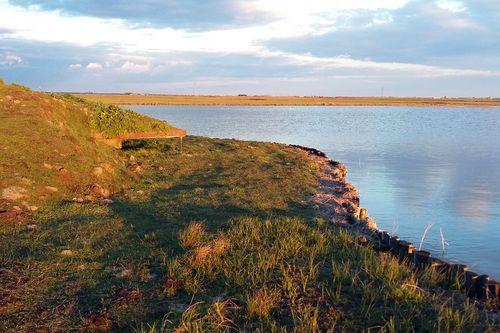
(412, 166)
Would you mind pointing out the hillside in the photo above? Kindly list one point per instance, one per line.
(50, 146)
(228, 236)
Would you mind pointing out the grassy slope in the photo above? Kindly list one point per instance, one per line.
(50, 141)
(123, 99)
(257, 259)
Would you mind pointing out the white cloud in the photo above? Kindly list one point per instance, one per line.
(10, 59)
(179, 62)
(292, 19)
(451, 5)
(94, 66)
(323, 64)
(75, 66)
(132, 67)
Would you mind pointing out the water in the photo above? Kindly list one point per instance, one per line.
(412, 166)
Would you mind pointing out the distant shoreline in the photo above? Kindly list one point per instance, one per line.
(172, 100)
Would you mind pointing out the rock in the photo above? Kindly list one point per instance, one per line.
(51, 189)
(370, 223)
(100, 191)
(97, 171)
(63, 171)
(66, 253)
(30, 207)
(47, 166)
(107, 201)
(13, 193)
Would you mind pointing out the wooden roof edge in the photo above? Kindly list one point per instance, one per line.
(173, 133)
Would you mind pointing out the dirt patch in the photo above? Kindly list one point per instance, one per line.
(13, 216)
(14, 193)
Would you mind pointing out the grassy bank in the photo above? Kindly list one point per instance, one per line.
(158, 99)
(223, 237)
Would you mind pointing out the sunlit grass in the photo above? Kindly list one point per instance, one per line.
(220, 238)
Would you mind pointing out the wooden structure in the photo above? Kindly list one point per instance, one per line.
(173, 133)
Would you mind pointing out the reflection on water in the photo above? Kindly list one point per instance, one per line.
(412, 166)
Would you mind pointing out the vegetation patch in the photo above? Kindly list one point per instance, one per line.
(112, 121)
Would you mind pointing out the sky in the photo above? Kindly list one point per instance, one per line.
(429, 48)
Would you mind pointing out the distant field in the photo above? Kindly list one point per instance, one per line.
(153, 99)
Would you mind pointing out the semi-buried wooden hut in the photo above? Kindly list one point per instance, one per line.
(166, 134)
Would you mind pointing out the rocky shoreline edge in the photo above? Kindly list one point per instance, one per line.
(338, 202)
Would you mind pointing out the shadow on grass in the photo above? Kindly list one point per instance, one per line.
(136, 234)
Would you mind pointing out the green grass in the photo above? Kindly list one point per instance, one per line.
(257, 257)
(220, 238)
(112, 121)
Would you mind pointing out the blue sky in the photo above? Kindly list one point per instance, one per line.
(281, 47)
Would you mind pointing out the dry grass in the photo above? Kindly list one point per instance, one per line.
(152, 99)
(192, 236)
(201, 255)
(221, 245)
(262, 302)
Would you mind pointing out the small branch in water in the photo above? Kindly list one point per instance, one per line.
(394, 227)
(429, 226)
(443, 241)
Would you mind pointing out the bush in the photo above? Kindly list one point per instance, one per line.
(112, 121)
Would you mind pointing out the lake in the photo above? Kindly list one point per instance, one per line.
(412, 166)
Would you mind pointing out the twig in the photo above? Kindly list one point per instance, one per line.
(429, 226)
(443, 241)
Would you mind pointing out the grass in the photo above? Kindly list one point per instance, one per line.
(50, 141)
(112, 121)
(158, 99)
(221, 238)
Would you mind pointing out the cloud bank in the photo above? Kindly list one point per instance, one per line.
(409, 47)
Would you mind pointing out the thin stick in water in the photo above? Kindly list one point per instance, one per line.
(429, 226)
(443, 241)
